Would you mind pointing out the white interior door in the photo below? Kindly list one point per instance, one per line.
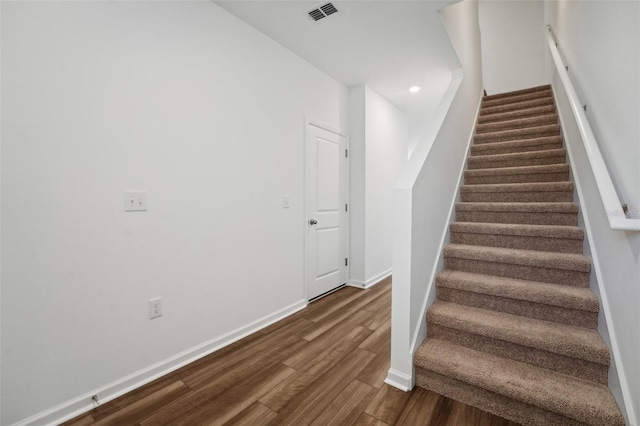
(327, 216)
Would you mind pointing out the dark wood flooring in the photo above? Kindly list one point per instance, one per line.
(324, 365)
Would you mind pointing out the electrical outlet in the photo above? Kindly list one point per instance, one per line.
(155, 308)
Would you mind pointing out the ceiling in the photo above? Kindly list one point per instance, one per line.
(387, 45)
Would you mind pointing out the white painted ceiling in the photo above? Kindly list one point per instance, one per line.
(387, 45)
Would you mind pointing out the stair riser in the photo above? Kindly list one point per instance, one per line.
(516, 107)
(513, 135)
(489, 164)
(545, 94)
(568, 219)
(521, 123)
(523, 272)
(494, 403)
(470, 179)
(513, 115)
(475, 150)
(561, 245)
(562, 364)
(558, 314)
(517, 197)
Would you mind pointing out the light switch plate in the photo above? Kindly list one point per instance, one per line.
(135, 201)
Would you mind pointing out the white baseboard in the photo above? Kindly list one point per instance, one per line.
(82, 403)
(399, 380)
(371, 281)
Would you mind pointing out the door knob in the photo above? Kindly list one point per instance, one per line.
(313, 222)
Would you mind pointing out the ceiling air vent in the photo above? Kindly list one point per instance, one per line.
(322, 11)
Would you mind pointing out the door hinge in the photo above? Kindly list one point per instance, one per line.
(346, 262)
(346, 207)
(346, 153)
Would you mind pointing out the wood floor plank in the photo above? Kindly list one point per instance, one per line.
(343, 313)
(339, 317)
(348, 405)
(257, 414)
(380, 303)
(140, 409)
(239, 372)
(82, 420)
(326, 303)
(376, 371)
(216, 390)
(205, 407)
(330, 309)
(306, 376)
(466, 415)
(252, 354)
(380, 339)
(388, 404)
(420, 408)
(367, 420)
(442, 411)
(127, 399)
(303, 408)
(319, 309)
(380, 318)
(325, 343)
(462, 415)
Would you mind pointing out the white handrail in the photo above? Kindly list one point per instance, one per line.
(612, 205)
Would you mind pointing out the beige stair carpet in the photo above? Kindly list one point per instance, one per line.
(513, 330)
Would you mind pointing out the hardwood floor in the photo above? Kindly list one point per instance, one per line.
(324, 365)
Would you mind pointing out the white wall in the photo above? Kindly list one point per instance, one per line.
(379, 134)
(387, 138)
(177, 98)
(599, 41)
(513, 49)
(357, 185)
(426, 190)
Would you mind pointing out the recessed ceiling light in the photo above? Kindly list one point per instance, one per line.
(414, 89)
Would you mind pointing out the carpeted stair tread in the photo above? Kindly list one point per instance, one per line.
(519, 187)
(585, 401)
(543, 88)
(549, 294)
(543, 94)
(518, 174)
(500, 405)
(517, 123)
(519, 207)
(518, 192)
(575, 342)
(554, 238)
(549, 260)
(523, 145)
(518, 229)
(533, 103)
(525, 213)
(526, 133)
(520, 158)
(510, 115)
(520, 170)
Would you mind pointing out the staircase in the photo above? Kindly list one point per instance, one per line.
(513, 330)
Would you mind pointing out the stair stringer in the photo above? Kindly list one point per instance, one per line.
(421, 331)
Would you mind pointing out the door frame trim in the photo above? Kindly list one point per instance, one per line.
(310, 122)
